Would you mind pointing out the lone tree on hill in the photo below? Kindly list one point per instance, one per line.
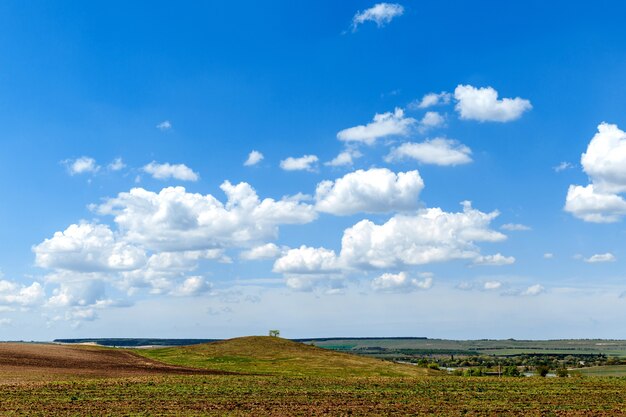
(274, 333)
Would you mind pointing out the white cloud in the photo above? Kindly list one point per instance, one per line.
(383, 125)
(401, 282)
(82, 165)
(433, 99)
(431, 120)
(381, 14)
(482, 104)
(533, 290)
(438, 151)
(78, 293)
(345, 158)
(494, 260)
(192, 286)
(20, 295)
(254, 157)
(304, 163)
(492, 285)
(117, 165)
(174, 219)
(266, 251)
(377, 190)
(5, 322)
(166, 171)
(605, 164)
(601, 258)
(307, 260)
(563, 166)
(515, 227)
(591, 205)
(548, 255)
(605, 159)
(88, 248)
(164, 125)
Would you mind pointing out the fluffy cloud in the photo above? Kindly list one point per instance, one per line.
(433, 99)
(373, 191)
(533, 290)
(605, 164)
(438, 151)
(304, 163)
(307, 260)
(401, 282)
(166, 171)
(591, 205)
(175, 220)
(605, 159)
(494, 260)
(81, 165)
(492, 285)
(428, 236)
(164, 125)
(482, 104)
(563, 166)
(20, 295)
(600, 258)
(192, 286)
(117, 165)
(88, 248)
(254, 158)
(431, 120)
(266, 251)
(381, 14)
(383, 125)
(345, 158)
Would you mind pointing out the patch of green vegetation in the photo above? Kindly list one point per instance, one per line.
(608, 370)
(272, 355)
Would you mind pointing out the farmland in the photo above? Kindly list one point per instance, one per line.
(270, 376)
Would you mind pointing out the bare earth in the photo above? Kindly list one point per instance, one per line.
(39, 361)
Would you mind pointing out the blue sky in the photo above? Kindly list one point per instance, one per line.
(377, 123)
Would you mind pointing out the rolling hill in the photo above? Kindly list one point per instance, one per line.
(272, 355)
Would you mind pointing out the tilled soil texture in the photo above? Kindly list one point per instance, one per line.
(40, 361)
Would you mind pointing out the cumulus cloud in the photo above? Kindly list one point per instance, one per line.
(166, 171)
(437, 151)
(492, 285)
(432, 99)
(431, 120)
(591, 205)
(12, 293)
(401, 282)
(345, 158)
(164, 125)
(427, 236)
(384, 125)
(533, 290)
(82, 165)
(376, 190)
(192, 286)
(304, 163)
(88, 248)
(601, 258)
(605, 164)
(266, 251)
(515, 227)
(116, 165)
(482, 104)
(307, 260)
(381, 14)
(494, 260)
(174, 219)
(254, 157)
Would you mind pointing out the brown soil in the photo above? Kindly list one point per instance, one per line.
(39, 360)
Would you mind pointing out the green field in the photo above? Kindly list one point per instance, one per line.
(609, 370)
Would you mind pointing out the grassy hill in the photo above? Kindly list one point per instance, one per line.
(272, 355)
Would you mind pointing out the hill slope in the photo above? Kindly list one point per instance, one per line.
(272, 355)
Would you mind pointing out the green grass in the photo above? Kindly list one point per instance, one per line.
(276, 356)
(608, 370)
